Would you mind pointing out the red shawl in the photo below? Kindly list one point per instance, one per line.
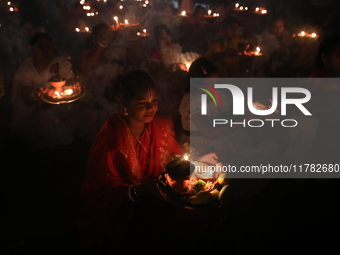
(110, 219)
(115, 161)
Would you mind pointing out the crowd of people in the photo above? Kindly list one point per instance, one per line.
(106, 50)
(135, 59)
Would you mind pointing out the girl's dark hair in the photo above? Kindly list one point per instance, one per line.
(36, 37)
(200, 68)
(132, 83)
(157, 31)
(326, 47)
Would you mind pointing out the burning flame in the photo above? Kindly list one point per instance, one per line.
(58, 94)
(186, 157)
(68, 91)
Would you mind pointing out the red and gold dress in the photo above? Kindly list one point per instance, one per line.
(110, 221)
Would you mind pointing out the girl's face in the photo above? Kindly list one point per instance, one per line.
(143, 107)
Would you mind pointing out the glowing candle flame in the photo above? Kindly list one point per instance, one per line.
(68, 91)
(126, 21)
(77, 29)
(313, 34)
(146, 2)
(184, 13)
(58, 94)
(87, 29)
(246, 8)
(209, 12)
(241, 7)
(264, 11)
(121, 7)
(116, 19)
(11, 9)
(138, 33)
(144, 30)
(237, 5)
(257, 9)
(303, 33)
(186, 157)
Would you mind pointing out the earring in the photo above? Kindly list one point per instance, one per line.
(125, 111)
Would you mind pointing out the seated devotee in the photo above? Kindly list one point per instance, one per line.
(223, 48)
(190, 105)
(18, 31)
(164, 53)
(271, 40)
(164, 13)
(120, 187)
(234, 144)
(324, 104)
(42, 125)
(164, 67)
(195, 32)
(200, 68)
(101, 63)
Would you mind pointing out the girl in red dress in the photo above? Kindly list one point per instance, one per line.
(121, 198)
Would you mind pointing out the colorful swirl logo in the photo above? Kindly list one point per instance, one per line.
(211, 91)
